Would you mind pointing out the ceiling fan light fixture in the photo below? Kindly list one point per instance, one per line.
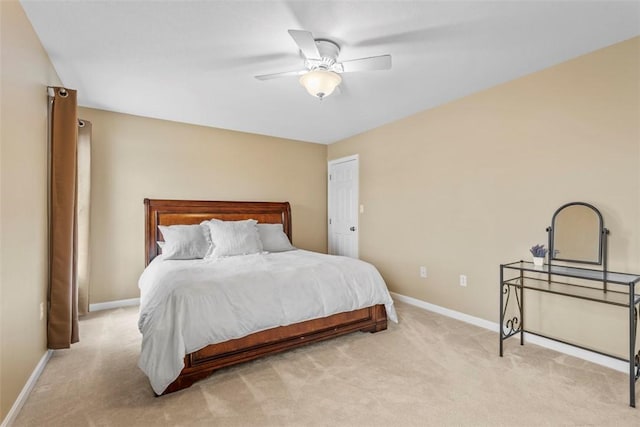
(320, 83)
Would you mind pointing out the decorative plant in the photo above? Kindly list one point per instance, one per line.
(538, 251)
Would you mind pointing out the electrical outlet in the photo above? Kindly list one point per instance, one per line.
(423, 272)
(463, 280)
(41, 310)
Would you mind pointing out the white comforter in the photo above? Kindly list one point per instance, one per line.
(187, 305)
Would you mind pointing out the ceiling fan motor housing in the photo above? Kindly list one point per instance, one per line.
(327, 48)
(328, 55)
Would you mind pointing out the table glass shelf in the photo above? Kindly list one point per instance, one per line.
(578, 273)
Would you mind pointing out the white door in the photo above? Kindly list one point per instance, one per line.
(343, 206)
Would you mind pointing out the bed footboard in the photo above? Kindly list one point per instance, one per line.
(204, 362)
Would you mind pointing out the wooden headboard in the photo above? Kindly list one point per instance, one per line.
(171, 212)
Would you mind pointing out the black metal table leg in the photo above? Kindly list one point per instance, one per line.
(521, 307)
(500, 332)
(632, 346)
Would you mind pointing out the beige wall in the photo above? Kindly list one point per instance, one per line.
(26, 72)
(466, 186)
(135, 157)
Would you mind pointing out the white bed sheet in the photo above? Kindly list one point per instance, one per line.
(187, 305)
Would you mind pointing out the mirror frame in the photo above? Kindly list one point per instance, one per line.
(601, 240)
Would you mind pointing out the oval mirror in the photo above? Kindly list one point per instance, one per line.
(577, 234)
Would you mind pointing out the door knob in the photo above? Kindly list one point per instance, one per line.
(352, 229)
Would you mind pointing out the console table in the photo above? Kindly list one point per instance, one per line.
(547, 278)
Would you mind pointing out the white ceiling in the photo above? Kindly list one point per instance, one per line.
(195, 61)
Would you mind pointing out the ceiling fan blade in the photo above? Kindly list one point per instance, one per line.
(306, 43)
(461, 32)
(222, 62)
(417, 35)
(382, 62)
(278, 75)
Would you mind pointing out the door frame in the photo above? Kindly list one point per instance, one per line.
(330, 163)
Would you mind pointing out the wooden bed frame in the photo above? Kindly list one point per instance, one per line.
(202, 363)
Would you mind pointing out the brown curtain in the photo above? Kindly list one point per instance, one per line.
(83, 214)
(63, 298)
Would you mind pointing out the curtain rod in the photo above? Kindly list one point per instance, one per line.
(51, 91)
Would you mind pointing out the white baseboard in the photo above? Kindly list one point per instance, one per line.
(447, 312)
(114, 304)
(580, 353)
(26, 390)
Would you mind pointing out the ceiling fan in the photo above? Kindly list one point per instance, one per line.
(321, 74)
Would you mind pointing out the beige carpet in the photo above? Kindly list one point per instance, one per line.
(427, 370)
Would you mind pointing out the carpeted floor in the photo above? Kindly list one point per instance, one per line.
(427, 370)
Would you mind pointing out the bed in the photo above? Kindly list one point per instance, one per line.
(203, 361)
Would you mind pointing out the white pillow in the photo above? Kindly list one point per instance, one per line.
(273, 238)
(185, 241)
(234, 237)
